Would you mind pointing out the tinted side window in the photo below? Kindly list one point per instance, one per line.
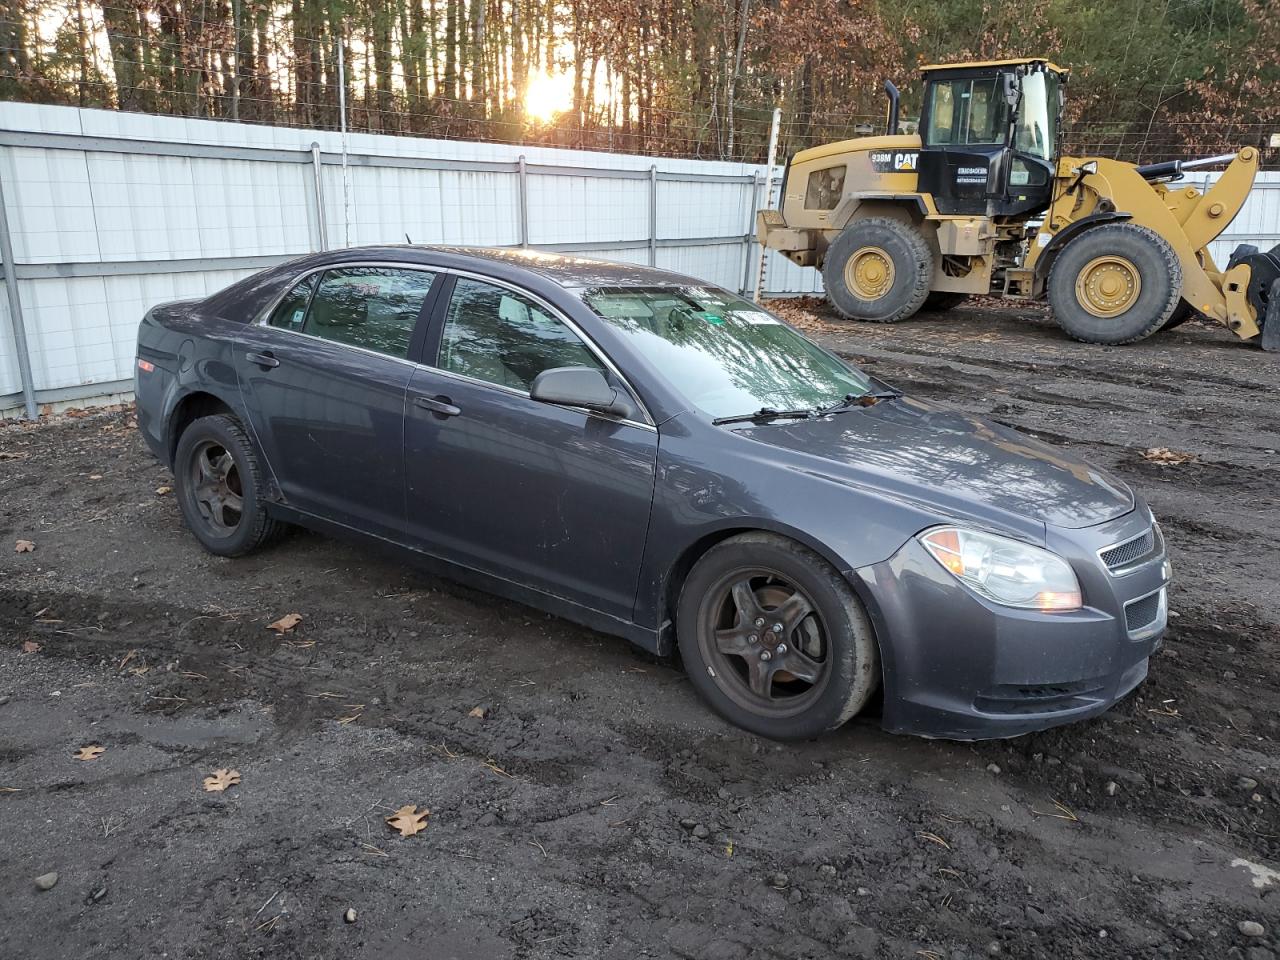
(290, 313)
(496, 335)
(371, 307)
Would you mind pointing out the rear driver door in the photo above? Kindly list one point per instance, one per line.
(324, 379)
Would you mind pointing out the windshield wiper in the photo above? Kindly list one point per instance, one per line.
(765, 413)
(868, 399)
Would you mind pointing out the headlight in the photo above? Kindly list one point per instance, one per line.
(1005, 571)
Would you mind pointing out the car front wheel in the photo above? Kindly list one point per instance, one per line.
(220, 487)
(774, 638)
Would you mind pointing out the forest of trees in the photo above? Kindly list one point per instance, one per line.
(1151, 78)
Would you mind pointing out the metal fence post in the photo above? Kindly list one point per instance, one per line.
(754, 203)
(758, 287)
(15, 312)
(342, 127)
(317, 169)
(523, 174)
(653, 215)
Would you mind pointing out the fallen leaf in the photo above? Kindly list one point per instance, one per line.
(408, 820)
(92, 752)
(24, 546)
(1167, 457)
(478, 712)
(285, 623)
(161, 491)
(221, 779)
(30, 646)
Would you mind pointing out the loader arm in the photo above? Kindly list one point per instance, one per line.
(1185, 219)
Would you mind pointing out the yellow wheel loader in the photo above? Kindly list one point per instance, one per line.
(982, 201)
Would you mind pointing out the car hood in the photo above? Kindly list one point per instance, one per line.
(958, 464)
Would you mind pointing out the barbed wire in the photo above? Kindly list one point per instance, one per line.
(273, 72)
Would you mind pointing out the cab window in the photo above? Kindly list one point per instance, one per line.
(964, 112)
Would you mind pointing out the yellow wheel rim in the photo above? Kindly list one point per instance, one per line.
(869, 273)
(1108, 286)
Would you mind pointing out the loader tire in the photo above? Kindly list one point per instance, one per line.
(1114, 284)
(878, 269)
(940, 301)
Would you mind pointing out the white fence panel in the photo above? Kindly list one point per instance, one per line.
(564, 210)
(110, 213)
(10, 382)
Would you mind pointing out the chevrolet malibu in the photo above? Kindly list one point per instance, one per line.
(659, 459)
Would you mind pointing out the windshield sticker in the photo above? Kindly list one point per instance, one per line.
(757, 317)
(713, 318)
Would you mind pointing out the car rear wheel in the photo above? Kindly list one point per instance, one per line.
(774, 638)
(220, 487)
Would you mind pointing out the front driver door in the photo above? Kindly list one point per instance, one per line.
(324, 381)
(550, 497)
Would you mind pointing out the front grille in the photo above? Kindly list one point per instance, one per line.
(1123, 554)
(1143, 612)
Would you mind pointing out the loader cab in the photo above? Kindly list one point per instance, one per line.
(989, 136)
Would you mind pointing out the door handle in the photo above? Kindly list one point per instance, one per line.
(265, 359)
(437, 405)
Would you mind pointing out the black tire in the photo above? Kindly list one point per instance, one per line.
(899, 244)
(939, 301)
(1145, 257)
(240, 523)
(825, 638)
(1181, 314)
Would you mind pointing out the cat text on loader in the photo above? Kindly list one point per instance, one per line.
(983, 202)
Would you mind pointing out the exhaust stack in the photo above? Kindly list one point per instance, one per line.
(892, 125)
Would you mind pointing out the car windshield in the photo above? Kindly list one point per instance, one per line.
(728, 356)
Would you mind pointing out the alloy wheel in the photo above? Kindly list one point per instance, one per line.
(215, 488)
(765, 642)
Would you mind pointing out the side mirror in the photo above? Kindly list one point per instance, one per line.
(1010, 89)
(579, 387)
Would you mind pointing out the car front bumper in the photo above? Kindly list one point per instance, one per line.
(960, 667)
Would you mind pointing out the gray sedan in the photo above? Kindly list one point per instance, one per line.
(659, 459)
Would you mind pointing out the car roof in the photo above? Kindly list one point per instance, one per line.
(564, 269)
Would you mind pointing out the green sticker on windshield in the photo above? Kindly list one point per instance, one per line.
(713, 318)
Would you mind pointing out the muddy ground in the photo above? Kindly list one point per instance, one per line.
(597, 809)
